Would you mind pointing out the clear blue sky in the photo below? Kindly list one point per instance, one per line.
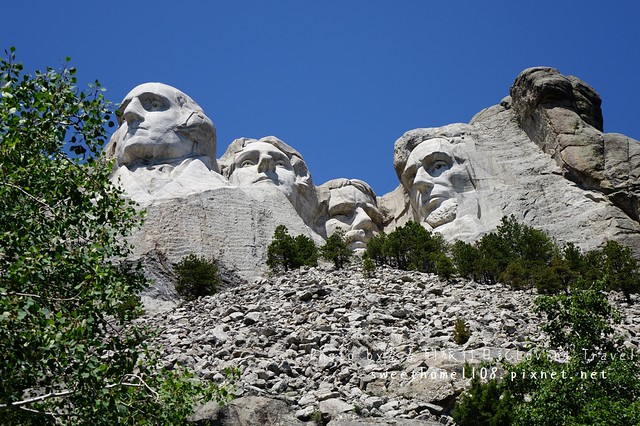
(339, 80)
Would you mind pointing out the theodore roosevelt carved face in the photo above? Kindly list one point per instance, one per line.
(352, 206)
(159, 124)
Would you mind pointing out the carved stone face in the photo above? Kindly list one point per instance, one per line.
(261, 163)
(160, 123)
(435, 178)
(356, 213)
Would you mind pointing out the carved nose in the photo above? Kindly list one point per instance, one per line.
(133, 112)
(423, 181)
(266, 164)
(361, 220)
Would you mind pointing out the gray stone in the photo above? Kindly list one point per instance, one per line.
(333, 407)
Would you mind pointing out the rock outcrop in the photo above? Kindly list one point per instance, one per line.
(562, 116)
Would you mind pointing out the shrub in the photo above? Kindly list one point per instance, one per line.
(461, 332)
(196, 277)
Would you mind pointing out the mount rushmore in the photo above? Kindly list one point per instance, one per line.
(540, 154)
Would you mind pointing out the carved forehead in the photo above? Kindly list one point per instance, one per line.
(431, 146)
(456, 134)
(162, 89)
(260, 147)
(349, 194)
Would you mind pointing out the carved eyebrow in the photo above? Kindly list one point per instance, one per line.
(342, 208)
(438, 156)
(143, 96)
(245, 155)
(153, 95)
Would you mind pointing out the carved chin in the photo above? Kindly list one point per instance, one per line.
(445, 213)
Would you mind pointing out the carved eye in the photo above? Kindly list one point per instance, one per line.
(153, 102)
(438, 167)
(281, 163)
(247, 163)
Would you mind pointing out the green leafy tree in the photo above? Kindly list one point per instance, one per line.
(336, 249)
(599, 384)
(196, 276)
(68, 351)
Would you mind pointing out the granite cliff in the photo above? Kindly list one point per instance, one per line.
(539, 154)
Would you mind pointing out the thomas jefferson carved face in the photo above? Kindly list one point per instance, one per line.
(159, 123)
(354, 210)
(260, 163)
(435, 177)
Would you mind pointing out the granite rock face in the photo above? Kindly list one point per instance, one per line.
(540, 155)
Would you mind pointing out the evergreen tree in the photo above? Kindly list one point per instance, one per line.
(368, 267)
(196, 277)
(336, 249)
(621, 269)
(286, 252)
(306, 252)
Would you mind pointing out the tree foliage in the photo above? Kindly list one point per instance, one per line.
(368, 266)
(286, 252)
(196, 276)
(411, 247)
(598, 383)
(68, 350)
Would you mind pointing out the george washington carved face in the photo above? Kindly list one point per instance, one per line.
(159, 123)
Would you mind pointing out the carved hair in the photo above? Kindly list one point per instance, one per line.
(361, 185)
